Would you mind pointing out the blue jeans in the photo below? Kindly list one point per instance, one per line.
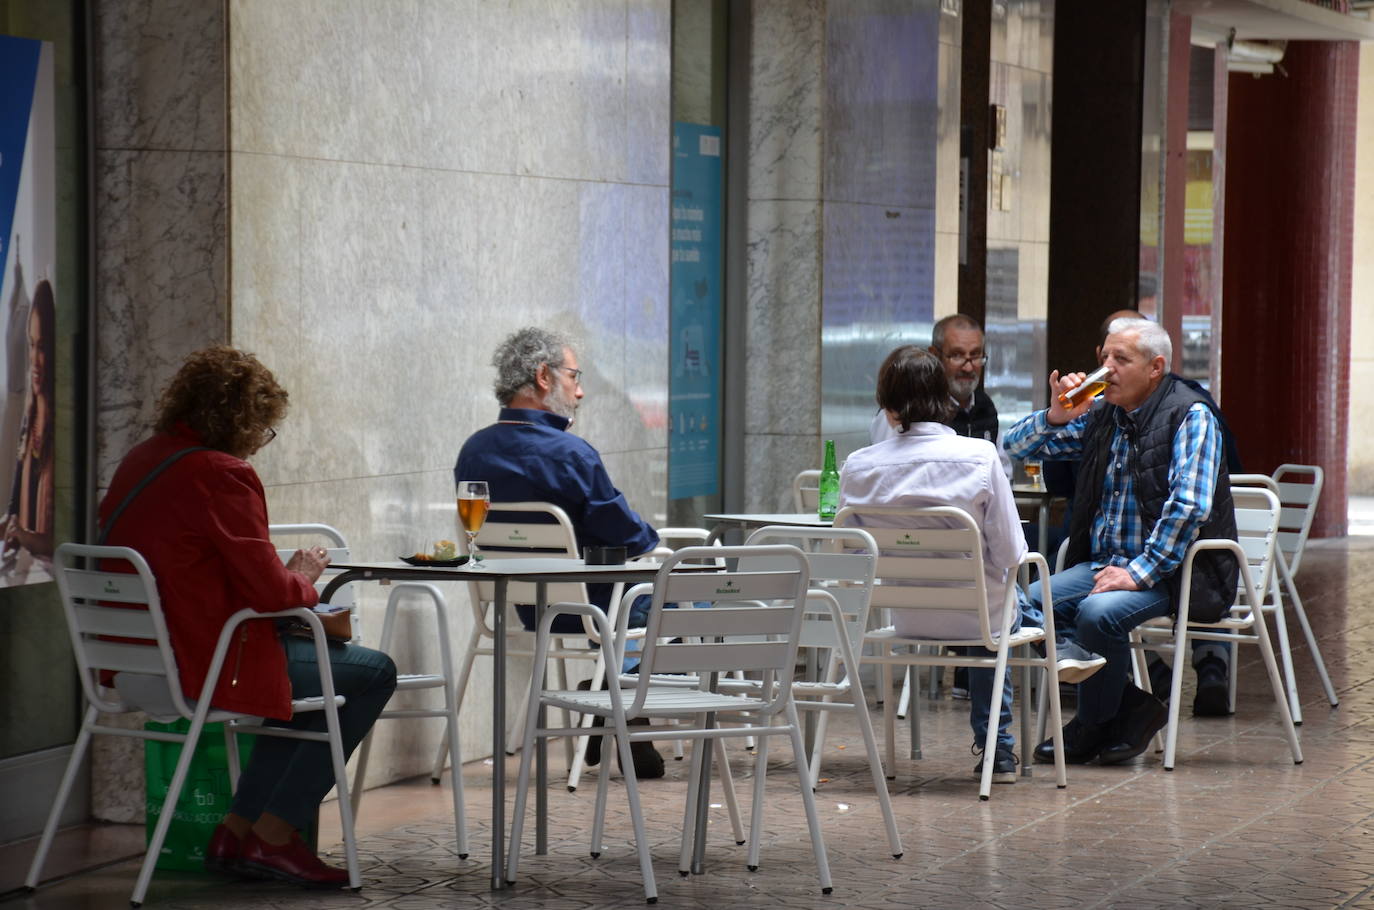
(290, 777)
(1102, 623)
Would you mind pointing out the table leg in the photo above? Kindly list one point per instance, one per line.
(703, 796)
(541, 744)
(498, 739)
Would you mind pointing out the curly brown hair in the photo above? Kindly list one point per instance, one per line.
(227, 396)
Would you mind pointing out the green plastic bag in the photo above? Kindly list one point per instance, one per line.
(205, 796)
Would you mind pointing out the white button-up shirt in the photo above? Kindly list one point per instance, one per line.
(931, 465)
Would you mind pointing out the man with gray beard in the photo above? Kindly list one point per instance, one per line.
(528, 455)
(958, 341)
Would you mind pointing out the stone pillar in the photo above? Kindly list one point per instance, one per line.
(841, 212)
(160, 256)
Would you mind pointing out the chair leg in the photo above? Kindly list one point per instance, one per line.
(913, 714)
(875, 766)
(1290, 729)
(1049, 691)
(889, 724)
(689, 814)
(1175, 692)
(904, 701)
(999, 676)
(761, 779)
(579, 761)
(603, 782)
(568, 746)
(164, 818)
(360, 770)
(64, 792)
(1286, 655)
(1312, 646)
(727, 786)
(460, 688)
(522, 788)
(646, 866)
(456, 780)
(813, 822)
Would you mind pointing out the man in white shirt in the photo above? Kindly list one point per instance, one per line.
(926, 463)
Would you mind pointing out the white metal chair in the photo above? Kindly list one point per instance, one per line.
(670, 539)
(405, 682)
(745, 604)
(931, 559)
(104, 608)
(549, 536)
(806, 490)
(836, 619)
(1298, 488)
(1257, 522)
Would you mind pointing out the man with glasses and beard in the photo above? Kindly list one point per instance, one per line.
(528, 455)
(958, 341)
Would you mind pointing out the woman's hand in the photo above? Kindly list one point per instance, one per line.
(310, 562)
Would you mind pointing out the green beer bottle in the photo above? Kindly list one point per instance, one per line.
(829, 485)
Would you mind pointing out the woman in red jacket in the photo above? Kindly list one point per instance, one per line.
(202, 526)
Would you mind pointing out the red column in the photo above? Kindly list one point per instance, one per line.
(1289, 210)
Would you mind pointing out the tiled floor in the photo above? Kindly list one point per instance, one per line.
(1237, 824)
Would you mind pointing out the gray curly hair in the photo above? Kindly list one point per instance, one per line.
(518, 358)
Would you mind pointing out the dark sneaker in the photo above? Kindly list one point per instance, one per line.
(1082, 743)
(648, 763)
(960, 688)
(1003, 765)
(1213, 698)
(1075, 663)
(1161, 678)
(1142, 716)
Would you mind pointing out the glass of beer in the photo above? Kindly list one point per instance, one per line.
(1032, 468)
(473, 503)
(1092, 385)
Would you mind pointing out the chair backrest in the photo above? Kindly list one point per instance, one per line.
(930, 560)
(1257, 532)
(1300, 488)
(334, 542)
(506, 535)
(752, 621)
(806, 490)
(115, 621)
(843, 562)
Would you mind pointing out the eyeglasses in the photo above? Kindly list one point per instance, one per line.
(268, 435)
(957, 358)
(575, 374)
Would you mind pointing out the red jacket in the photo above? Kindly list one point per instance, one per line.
(202, 526)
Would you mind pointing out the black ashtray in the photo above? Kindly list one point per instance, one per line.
(604, 556)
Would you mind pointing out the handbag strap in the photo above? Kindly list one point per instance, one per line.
(138, 488)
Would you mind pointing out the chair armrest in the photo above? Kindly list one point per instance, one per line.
(1202, 546)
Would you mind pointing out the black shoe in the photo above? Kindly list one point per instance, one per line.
(1140, 719)
(648, 763)
(1082, 742)
(1003, 766)
(592, 757)
(1213, 698)
(1161, 679)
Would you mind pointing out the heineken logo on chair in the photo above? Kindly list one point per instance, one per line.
(112, 588)
(516, 536)
(906, 540)
(729, 588)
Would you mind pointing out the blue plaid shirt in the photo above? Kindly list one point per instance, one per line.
(1118, 537)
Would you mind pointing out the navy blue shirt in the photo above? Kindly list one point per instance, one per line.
(528, 456)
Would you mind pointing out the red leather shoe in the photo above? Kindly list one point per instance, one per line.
(291, 862)
(224, 851)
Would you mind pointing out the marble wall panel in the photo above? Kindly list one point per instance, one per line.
(947, 139)
(881, 65)
(642, 475)
(771, 460)
(648, 72)
(786, 99)
(644, 333)
(160, 75)
(783, 319)
(162, 273)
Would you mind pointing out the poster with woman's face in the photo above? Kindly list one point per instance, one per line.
(28, 306)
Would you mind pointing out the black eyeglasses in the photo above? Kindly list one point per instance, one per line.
(956, 358)
(269, 435)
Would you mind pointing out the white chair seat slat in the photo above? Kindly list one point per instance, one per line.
(731, 621)
(932, 568)
(688, 657)
(922, 597)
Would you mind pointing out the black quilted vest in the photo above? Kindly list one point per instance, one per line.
(1150, 430)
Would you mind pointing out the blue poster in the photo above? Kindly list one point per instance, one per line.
(18, 75)
(695, 316)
